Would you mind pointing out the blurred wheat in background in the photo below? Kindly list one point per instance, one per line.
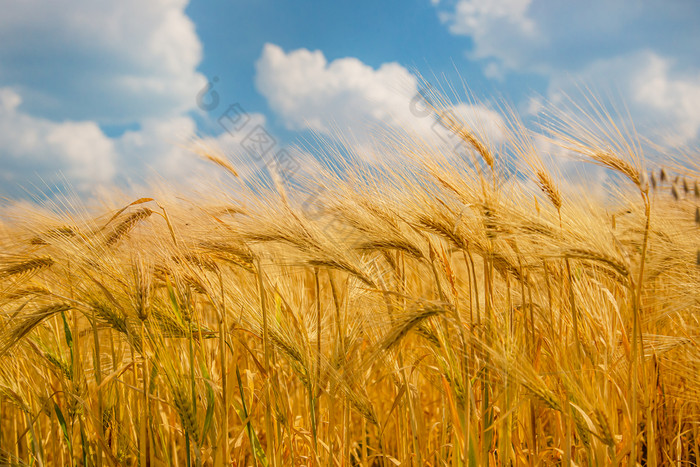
(432, 311)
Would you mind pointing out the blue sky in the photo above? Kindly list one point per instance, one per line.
(100, 93)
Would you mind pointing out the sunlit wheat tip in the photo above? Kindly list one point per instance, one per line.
(549, 188)
(620, 165)
(221, 162)
(125, 226)
(468, 137)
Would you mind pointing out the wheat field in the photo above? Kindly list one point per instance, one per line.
(433, 311)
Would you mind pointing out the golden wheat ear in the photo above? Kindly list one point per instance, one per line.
(125, 226)
(27, 322)
(549, 188)
(27, 266)
(212, 154)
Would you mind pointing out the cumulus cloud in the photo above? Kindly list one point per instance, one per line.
(112, 62)
(308, 92)
(70, 68)
(673, 98)
(38, 151)
(643, 51)
(499, 28)
(158, 148)
(544, 36)
(32, 145)
(664, 104)
(167, 149)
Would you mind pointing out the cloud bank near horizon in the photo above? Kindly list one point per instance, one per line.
(103, 92)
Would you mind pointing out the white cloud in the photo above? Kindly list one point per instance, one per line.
(664, 104)
(308, 92)
(36, 145)
(673, 99)
(544, 36)
(68, 68)
(158, 147)
(498, 27)
(38, 151)
(470, 17)
(646, 52)
(107, 61)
